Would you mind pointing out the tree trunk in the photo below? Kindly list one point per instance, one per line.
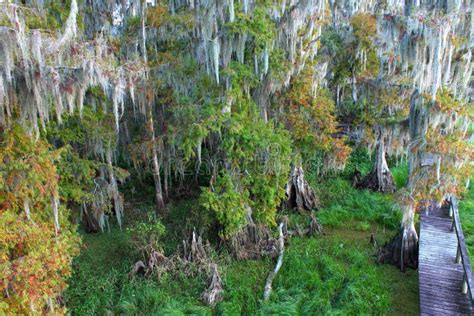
(402, 250)
(299, 193)
(91, 225)
(354, 87)
(384, 176)
(117, 198)
(160, 204)
(380, 179)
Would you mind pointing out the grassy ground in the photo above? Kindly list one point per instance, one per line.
(466, 212)
(331, 274)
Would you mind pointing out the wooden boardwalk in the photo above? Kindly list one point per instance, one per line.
(442, 279)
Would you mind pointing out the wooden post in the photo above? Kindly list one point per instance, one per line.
(464, 284)
(450, 210)
(458, 255)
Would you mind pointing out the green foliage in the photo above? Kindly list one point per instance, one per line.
(76, 176)
(335, 46)
(329, 274)
(53, 16)
(400, 175)
(244, 282)
(311, 122)
(147, 235)
(258, 155)
(360, 161)
(93, 127)
(82, 139)
(100, 282)
(278, 64)
(99, 271)
(364, 28)
(259, 25)
(339, 280)
(227, 203)
(242, 77)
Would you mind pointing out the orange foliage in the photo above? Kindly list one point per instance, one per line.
(34, 261)
(312, 122)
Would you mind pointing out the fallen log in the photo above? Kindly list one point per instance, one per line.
(271, 276)
(313, 228)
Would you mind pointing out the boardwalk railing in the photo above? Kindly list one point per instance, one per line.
(462, 256)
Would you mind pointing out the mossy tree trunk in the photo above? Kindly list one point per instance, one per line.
(160, 204)
(384, 176)
(402, 250)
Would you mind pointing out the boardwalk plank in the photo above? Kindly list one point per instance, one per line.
(440, 276)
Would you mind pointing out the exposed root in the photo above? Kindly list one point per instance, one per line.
(194, 252)
(253, 242)
(90, 222)
(156, 261)
(380, 179)
(157, 264)
(299, 194)
(376, 181)
(139, 268)
(373, 241)
(192, 258)
(213, 294)
(313, 228)
(402, 250)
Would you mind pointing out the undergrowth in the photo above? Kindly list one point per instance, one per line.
(334, 273)
(330, 274)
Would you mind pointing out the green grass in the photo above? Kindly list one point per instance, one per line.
(335, 274)
(331, 274)
(343, 206)
(98, 272)
(100, 283)
(323, 275)
(466, 212)
(400, 175)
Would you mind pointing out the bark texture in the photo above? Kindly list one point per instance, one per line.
(402, 250)
(299, 193)
(380, 179)
(160, 204)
